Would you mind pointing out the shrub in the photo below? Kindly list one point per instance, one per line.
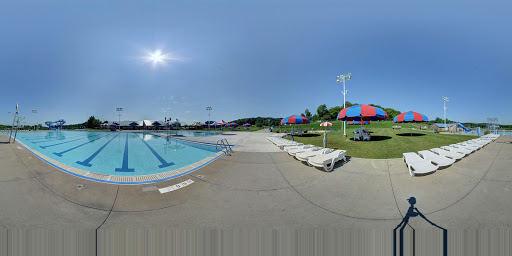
(486, 132)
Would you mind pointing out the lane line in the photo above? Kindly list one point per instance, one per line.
(88, 137)
(125, 168)
(162, 161)
(87, 161)
(65, 151)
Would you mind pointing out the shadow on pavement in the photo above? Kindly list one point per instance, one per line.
(414, 212)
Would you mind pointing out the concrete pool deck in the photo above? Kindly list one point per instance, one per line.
(263, 189)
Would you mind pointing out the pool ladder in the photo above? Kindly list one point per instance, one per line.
(223, 144)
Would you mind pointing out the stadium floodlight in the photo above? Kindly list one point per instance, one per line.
(445, 99)
(209, 109)
(119, 114)
(339, 79)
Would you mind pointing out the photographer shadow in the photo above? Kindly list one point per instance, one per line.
(414, 212)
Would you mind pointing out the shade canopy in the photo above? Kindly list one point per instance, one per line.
(362, 112)
(410, 117)
(358, 122)
(326, 124)
(295, 119)
(247, 124)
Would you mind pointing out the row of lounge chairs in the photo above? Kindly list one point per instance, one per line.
(428, 161)
(315, 156)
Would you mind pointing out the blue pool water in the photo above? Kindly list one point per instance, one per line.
(482, 132)
(188, 133)
(116, 153)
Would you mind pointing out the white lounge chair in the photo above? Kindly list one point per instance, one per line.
(287, 149)
(438, 160)
(327, 161)
(291, 145)
(306, 155)
(462, 145)
(457, 150)
(296, 151)
(446, 153)
(479, 142)
(470, 146)
(416, 164)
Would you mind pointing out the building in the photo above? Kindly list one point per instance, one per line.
(153, 125)
(441, 126)
(139, 125)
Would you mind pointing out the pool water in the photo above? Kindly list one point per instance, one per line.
(188, 133)
(117, 153)
(482, 132)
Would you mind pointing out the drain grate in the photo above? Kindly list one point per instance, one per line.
(79, 186)
(200, 176)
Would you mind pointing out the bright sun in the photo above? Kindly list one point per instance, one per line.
(157, 57)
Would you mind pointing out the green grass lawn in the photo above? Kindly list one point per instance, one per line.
(385, 142)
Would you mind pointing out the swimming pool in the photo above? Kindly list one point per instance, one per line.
(189, 133)
(119, 154)
(482, 132)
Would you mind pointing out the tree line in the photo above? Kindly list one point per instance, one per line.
(326, 114)
(259, 121)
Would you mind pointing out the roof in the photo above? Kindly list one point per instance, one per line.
(154, 123)
(442, 125)
(127, 123)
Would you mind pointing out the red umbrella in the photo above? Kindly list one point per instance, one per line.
(362, 113)
(295, 119)
(410, 117)
(326, 124)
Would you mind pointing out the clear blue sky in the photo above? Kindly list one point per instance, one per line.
(74, 59)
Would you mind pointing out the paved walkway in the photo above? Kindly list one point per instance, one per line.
(264, 189)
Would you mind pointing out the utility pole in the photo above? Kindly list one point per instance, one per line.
(15, 115)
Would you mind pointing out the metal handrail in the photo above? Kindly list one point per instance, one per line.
(224, 144)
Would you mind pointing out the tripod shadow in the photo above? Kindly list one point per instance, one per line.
(414, 212)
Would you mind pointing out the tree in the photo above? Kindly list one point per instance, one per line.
(348, 104)
(322, 112)
(92, 122)
(391, 113)
(307, 114)
(334, 111)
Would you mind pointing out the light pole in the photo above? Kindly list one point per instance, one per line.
(34, 111)
(209, 109)
(445, 99)
(119, 114)
(343, 78)
(15, 115)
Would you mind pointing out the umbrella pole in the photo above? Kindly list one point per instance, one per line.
(411, 129)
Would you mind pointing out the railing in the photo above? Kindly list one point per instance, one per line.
(223, 144)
